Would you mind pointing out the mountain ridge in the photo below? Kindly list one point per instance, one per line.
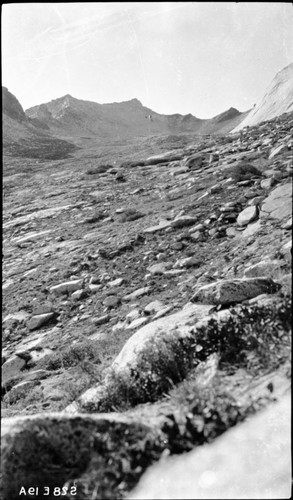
(127, 118)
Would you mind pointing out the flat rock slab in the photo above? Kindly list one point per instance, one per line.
(251, 229)
(159, 227)
(252, 460)
(279, 203)
(39, 214)
(269, 268)
(31, 237)
(66, 287)
(235, 290)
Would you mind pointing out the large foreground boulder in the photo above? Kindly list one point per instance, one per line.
(158, 334)
(252, 460)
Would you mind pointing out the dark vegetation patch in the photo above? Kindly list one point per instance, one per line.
(73, 355)
(130, 214)
(243, 171)
(99, 169)
(41, 148)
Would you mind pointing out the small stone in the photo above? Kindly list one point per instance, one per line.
(288, 224)
(94, 280)
(287, 248)
(197, 236)
(137, 323)
(276, 151)
(188, 262)
(137, 293)
(38, 374)
(177, 245)
(162, 312)
(174, 272)
(247, 215)
(183, 221)
(198, 227)
(231, 232)
(267, 183)
(111, 301)
(67, 287)
(95, 288)
(159, 268)
(101, 320)
(162, 225)
(132, 315)
(153, 307)
(256, 201)
(121, 325)
(116, 282)
(78, 294)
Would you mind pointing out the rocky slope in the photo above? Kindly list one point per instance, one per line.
(277, 100)
(74, 117)
(146, 311)
(28, 137)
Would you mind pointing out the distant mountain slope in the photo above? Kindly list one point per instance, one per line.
(74, 117)
(28, 137)
(277, 100)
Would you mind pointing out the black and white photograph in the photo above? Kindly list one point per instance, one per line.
(147, 159)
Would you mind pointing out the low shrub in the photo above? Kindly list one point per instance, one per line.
(99, 169)
(73, 355)
(243, 171)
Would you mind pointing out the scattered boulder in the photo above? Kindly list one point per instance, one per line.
(12, 368)
(136, 294)
(159, 268)
(227, 292)
(183, 221)
(67, 287)
(247, 215)
(159, 227)
(39, 320)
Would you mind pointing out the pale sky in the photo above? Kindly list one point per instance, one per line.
(175, 57)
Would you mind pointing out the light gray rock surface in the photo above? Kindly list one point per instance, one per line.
(278, 204)
(252, 460)
(234, 290)
(248, 215)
